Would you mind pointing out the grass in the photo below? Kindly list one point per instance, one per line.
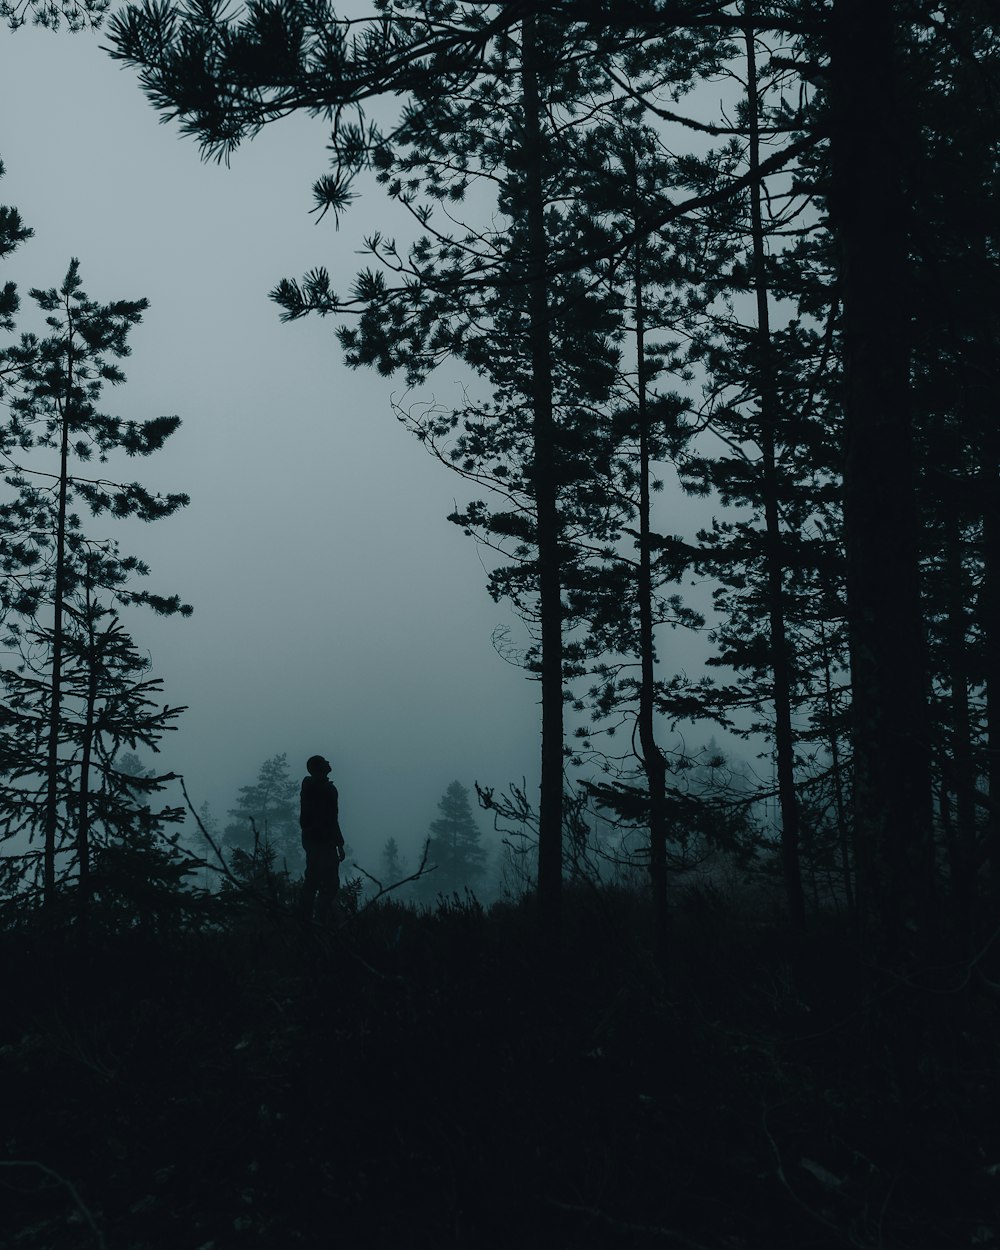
(442, 1079)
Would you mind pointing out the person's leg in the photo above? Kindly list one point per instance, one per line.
(329, 884)
(310, 885)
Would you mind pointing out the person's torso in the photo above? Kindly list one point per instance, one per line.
(319, 803)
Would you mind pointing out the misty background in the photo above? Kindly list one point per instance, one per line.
(335, 608)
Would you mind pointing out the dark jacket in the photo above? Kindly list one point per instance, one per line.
(319, 811)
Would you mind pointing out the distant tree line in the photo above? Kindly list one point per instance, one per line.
(263, 838)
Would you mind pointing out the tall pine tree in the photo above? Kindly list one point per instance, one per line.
(60, 582)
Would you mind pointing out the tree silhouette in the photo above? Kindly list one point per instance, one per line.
(455, 847)
(77, 14)
(392, 865)
(891, 730)
(56, 574)
(108, 707)
(267, 811)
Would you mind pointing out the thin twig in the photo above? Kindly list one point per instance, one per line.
(782, 1177)
(81, 1206)
(421, 871)
(222, 867)
(628, 1226)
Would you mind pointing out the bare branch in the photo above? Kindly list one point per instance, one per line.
(78, 1202)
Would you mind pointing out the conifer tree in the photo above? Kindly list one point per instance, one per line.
(77, 14)
(950, 84)
(455, 847)
(61, 587)
(108, 707)
(268, 812)
(392, 865)
(871, 133)
(13, 232)
(543, 345)
(621, 590)
(763, 382)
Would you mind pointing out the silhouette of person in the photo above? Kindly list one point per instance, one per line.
(322, 841)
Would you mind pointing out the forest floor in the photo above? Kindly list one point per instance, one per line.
(441, 1080)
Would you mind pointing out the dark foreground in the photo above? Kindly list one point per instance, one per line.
(437, 1081)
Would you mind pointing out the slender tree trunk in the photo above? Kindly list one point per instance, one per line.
(83, 792)
(546, 504)
(837, 776)
(974, 296)
(892, 793)
(964, 781)
(653, 762)
(83, 804)
(780, 661)
(55, 702)
(981, 379)
(989, 619)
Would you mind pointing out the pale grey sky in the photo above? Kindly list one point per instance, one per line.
(336, 610)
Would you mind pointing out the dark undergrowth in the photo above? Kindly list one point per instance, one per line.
(443, 1080)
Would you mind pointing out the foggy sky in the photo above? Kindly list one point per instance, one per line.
(335, 608)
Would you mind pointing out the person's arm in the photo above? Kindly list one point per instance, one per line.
(303, 801)
(338, 837)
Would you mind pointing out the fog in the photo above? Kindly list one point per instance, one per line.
(335, 608)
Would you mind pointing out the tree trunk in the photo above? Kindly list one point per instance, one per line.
(55, 702)
(83, 792)
(780, 662)
(837, 778)
(890, 721)
(653, 762)
(546, 505)
(989, 620)
(963, 782)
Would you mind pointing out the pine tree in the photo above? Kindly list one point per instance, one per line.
(267, 812)
(392, 865)
(950, 85)
(61, 591)
(13, 232)
(109, 706)
(455, 849)
(871, 130)
(542, 344)
(774, 453)
(77, 14)
(620, 590)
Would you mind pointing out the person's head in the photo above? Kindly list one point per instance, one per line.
(318, 766)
